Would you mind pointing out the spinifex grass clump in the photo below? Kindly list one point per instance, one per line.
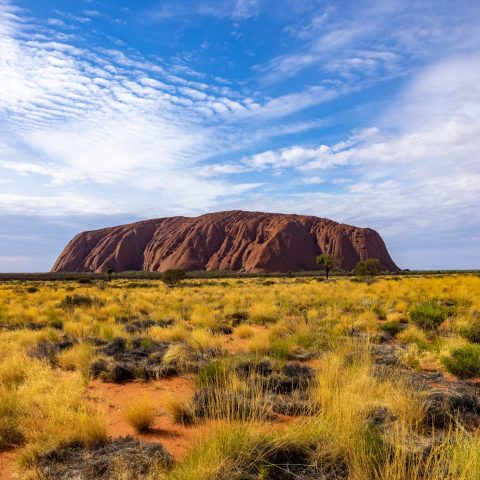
(140, 413)
(72, 301)
(463, 361)
(471, 331)
(10, 427)
(248, 389)
(428, 315)
(238, 451)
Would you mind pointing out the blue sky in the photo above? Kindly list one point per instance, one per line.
(366, 112)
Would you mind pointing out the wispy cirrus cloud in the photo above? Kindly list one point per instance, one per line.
(245, 9)
(380, 39)
(233, 9)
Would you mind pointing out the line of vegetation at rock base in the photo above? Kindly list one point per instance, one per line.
(372, 408)
(144, 275)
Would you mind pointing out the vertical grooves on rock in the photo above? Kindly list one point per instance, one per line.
(235, 240)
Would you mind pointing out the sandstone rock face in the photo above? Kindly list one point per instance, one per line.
(240, 241)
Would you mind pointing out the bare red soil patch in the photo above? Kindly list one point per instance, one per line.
(7, 461)
(112, 398)
(235, 345)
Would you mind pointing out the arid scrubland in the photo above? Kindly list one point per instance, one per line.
(291, 378)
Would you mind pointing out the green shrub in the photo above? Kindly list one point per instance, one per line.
(471, 332)
(463, 361)
(72, 301)
(390, 327)
(368, 268)
(172, 276)
(427, 315)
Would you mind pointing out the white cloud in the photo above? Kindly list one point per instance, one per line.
(315, 180)
(376, 39)
(228, 9)
(312, 25)
(318, 158)
(341, 180)
(245, 9)
(57, 205)
(56, 22)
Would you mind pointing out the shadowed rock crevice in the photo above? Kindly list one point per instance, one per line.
(250, 242)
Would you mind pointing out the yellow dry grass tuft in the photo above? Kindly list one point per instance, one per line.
(140, 413)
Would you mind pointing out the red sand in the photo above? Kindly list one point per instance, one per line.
(112, 398)
(7, 460)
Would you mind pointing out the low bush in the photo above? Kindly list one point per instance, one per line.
(427, 315)
(411, 356)
(173, 276)
(236, 452)
(280, 348)
(72, 301)
(178, 357)
(463, 361)
(471, 332)
(391, 327)
(201, 340)
(261, 313)
(56, 323)
(380, 312)
(123, 458)
(368, 268)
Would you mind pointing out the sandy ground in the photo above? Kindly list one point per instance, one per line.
(7, 459)
(235, 345)
(112, 398)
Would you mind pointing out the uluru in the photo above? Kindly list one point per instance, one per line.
(240, 241)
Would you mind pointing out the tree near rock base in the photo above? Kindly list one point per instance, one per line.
(328, 263)
(172, 276)
(368, 268)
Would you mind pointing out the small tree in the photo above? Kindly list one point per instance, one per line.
(172, 276)
(328, 263)
(368, 268)
(109, 273)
